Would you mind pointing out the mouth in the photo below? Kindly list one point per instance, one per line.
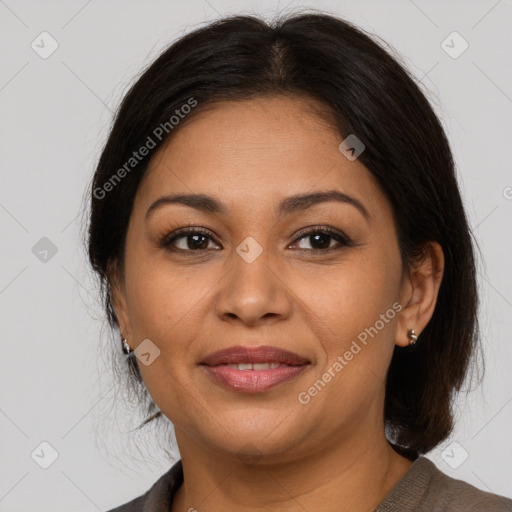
(253, 370)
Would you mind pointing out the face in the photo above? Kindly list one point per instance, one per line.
(321, 279)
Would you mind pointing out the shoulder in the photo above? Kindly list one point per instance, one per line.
(135, 505)
(159, 497)
(449, 494)
(424, 488)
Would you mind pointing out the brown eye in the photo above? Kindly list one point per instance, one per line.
(187, 239)
(320, 239)
(192, 239)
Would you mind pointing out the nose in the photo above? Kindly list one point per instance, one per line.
(253, 293)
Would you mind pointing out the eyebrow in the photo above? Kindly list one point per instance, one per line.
(292, 204)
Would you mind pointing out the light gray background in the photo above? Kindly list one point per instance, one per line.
(55, 115)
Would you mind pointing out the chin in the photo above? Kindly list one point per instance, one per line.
(264, 438)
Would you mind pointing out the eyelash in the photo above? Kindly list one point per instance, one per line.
(341, 238)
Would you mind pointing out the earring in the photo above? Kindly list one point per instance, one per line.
(411, 333)
(126, 348)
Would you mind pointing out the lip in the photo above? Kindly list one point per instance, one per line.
(262, 354)
(253, 381)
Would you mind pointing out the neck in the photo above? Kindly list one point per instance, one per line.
(354, 475)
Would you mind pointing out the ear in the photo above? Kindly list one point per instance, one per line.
(419, 293)
(118, 298)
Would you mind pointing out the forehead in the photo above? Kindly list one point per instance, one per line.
(256, 150)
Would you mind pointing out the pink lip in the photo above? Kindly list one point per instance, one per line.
(253, 381)
(262, 354)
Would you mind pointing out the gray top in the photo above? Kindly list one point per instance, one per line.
(424, 488)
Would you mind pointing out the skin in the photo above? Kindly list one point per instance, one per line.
(330, 454)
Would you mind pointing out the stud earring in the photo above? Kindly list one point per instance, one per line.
(126, 348)
(411, 333)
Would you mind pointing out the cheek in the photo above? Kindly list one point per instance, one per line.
(345, 314)
(351, 297)
(161, 296)
(351, 311)
(165, 307)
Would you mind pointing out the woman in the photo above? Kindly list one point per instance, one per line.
(282, 245)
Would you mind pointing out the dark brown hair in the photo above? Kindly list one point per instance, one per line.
(367, 92)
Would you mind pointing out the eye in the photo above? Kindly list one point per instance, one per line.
(193, 239)
(190, 239)
(321, 237)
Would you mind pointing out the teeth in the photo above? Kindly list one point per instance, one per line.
(255, 366)
(261, 366)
